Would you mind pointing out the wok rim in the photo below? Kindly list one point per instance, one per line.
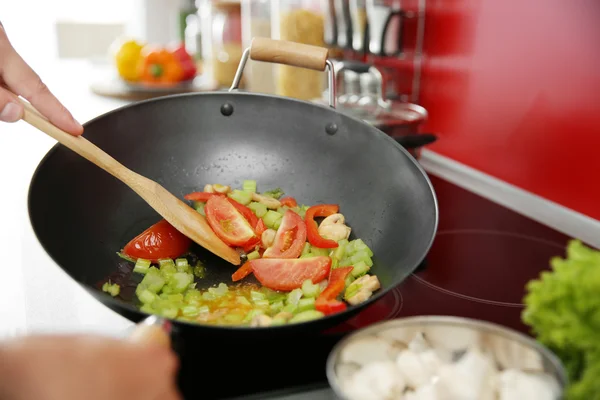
(126, 309)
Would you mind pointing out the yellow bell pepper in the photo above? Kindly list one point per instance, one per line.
(127, 60)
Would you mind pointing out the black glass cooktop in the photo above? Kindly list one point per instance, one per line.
(478, 265)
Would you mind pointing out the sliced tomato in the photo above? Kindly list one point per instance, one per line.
(290, 237)
(327, 301)
(246, 212)
(288, 274)
(227, 222)
(288, 201)
(242, 272)
(258, 230)
(330, 306)
(201, 196)
(312, 230)
(161, 240)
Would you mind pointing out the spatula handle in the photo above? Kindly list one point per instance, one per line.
(78, 144)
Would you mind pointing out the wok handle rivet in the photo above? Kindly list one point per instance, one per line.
(331, 129)
(227, 109)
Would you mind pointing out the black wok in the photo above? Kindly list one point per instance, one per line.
(82, 216)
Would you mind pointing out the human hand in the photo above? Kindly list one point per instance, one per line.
(19, 78)
(86, 367)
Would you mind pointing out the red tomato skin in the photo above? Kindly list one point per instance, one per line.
(218, 209)
(327, 301)
(161, 240)
(312, 232)
(200, 196)
(242, 272)
(293, 225)
(288, 201)
(287, 274)
(245, 211)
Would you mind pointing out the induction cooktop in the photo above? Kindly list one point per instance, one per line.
(481, 259)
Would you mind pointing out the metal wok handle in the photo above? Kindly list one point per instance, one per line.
(288, 53)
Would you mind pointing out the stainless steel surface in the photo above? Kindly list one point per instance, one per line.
(512, 347)
(342, 15)
(418, 57)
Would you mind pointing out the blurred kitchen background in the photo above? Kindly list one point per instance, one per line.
(510, 88)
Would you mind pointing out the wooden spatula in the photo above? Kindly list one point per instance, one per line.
(185, 219)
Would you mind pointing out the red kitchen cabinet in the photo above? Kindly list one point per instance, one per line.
(513, 89)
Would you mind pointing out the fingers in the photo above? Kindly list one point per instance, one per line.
(10, 108)
(22, 80)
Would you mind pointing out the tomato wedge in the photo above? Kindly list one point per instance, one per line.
(312, 230)
(327, 301)
(242, 272)
(288, 201)
(227, 222)
(253, 244)
(288, 274)
(246, 212)
(161, 240)
(290, 237)
(201, 196)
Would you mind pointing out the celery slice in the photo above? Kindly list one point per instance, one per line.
(262, 303)
(181, 262)
(179, 281)
(294, 296)
(190, 311)
(111, 288)
(147, 297)
(272, 219)
(254, 255)
(291, 308)
(310, 289)
(278, 321)
(199, 270)
(220, 291)
(306, 304)
(256, 296)
(249, 185)
(275, 193)
(241, 197)
(141, 266)
(199, 206)
(316, 251)
(208, 296)
(305, 316)
(242, 300)
(153, 282)
(276, 307)
(306, 248)
(361, 255)
(360, 268)
(258, 209)
(126, 257)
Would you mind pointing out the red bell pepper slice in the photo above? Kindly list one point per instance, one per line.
(200, 196)
(288, 201)
(327, 301)
(312, 230)
(242, 272)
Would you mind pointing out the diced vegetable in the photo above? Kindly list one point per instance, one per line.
(111, 288)
(306, 249)
(277, 306)
(241, 196)
(306, 316)
(199, 270)
(294, 296)
(181, 262)
(262, 303)
(360, 268)
(147, 297)
(249, 186)
(254, 255)
(361, 255)
(256, 296)
(180, 281)
(275, 193)
(272, 219)
(199, 206)
(153, 282)
(290, 238)
(257, 208)
(310, 289)
(141, 266)
(306, 304)
(316, 251)
(126, 257)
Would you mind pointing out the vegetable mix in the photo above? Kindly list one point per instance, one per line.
(302, 256)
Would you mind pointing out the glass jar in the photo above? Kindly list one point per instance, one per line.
(221, 24)
(301, 21)
(256, 22)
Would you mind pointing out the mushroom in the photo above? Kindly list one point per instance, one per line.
(367, 285)
(377, 380)
(268, 238)
(334, 228)
(418, 368)
(261, 320)
(368, 349)
(269, 202)
(221, 188)
(515, 384)
(208, 189)
(284, 315)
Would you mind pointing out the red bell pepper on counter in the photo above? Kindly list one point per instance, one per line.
(186, 61)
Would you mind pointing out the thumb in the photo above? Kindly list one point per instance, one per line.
(11, 110)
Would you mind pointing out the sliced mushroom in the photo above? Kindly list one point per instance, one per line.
(221, 188)
(270, 202)
(209, 189)
(334, 228)
(268, 238)
(367, 285)
(368, 349)
(284, 315)
(261, 320)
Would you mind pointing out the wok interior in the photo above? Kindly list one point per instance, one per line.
(83, 216)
